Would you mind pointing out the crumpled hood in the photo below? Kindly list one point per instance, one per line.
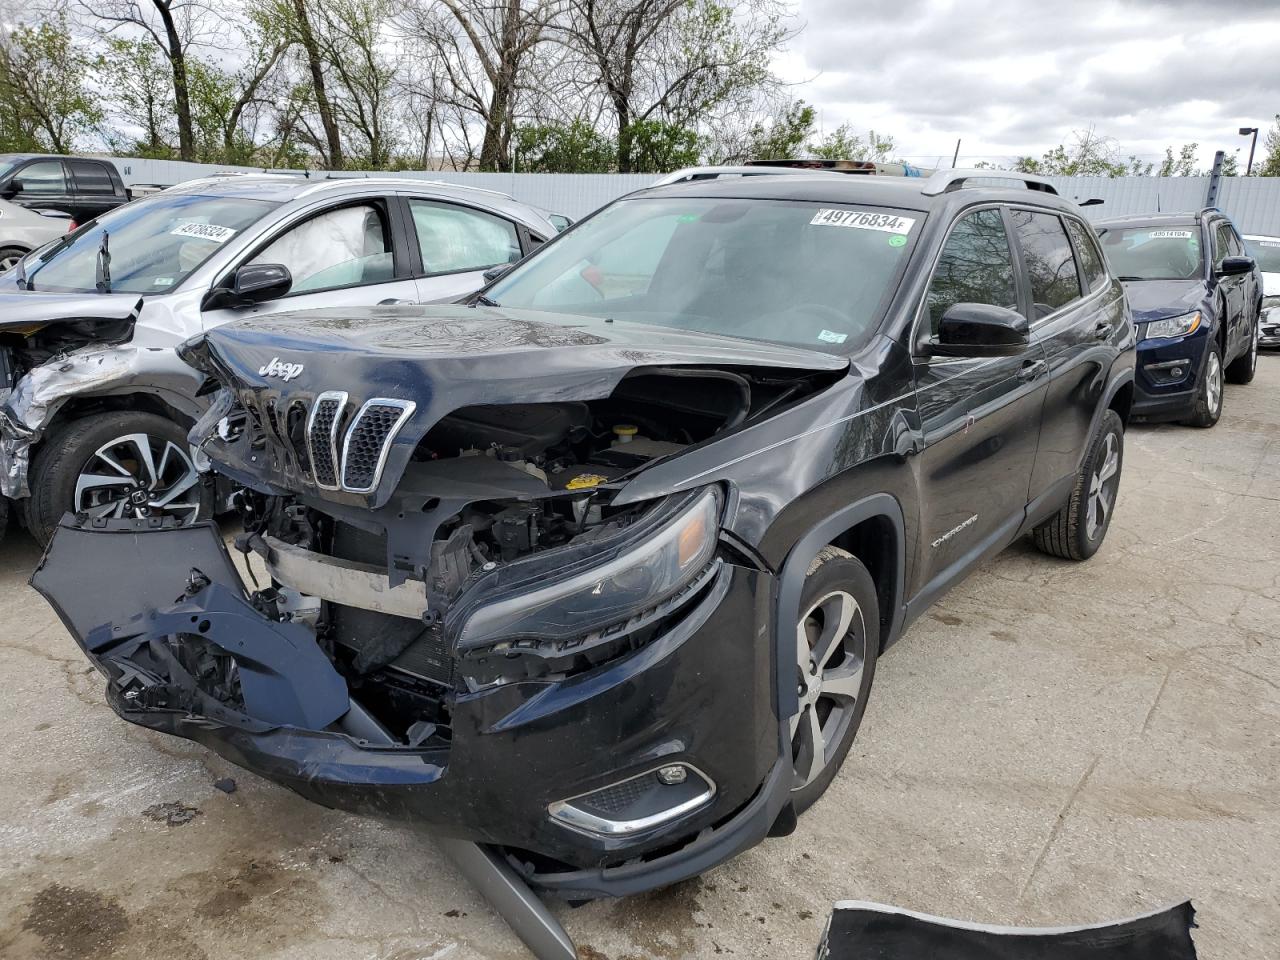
(1157, 299)
(448, 357)
(19, 308)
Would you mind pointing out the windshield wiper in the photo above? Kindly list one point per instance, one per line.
(485, 301)
(102, 269)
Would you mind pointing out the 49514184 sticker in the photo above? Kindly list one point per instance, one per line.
(1169, 235)
(203, 231)
(863, 220)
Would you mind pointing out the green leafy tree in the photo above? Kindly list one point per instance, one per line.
(1182, 165)
(141, 99)
(46, 100)
(843, 143)
(657, 146)
(575, 147)
(779, 134)
(1088, 155)
(1270, 165)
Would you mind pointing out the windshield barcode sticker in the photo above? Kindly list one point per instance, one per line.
(1170, 235)
(863, 220)
(204, 231)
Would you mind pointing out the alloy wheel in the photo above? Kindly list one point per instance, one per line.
(830, 658)
(138, 475)
(1253, 346)
(9, 262)
(1213, 384)
(1103, 485)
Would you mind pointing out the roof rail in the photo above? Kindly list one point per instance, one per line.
(944, 181)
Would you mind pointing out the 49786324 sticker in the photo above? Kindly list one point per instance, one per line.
(203, 231)
(863, 220)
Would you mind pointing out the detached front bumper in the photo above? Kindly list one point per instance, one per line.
(1168, 375)
(701, 694)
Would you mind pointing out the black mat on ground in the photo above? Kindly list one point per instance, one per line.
(873, 931)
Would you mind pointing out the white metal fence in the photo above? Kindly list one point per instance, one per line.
(1252, 202)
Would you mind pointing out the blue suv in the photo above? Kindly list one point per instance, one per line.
(1196, 297)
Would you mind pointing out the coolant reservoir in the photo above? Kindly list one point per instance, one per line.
(624, 432)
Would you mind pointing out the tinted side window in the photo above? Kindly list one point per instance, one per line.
(346, 247)
(91, 177)
(1087, 249)
(42, 177)
(1055, 282)
(975, 266)
(454, 239)
(1234, 243)
(1221, 243)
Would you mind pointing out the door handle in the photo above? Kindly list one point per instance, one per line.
(392, 301)
(1032, 369)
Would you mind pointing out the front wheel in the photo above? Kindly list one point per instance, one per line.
(837, 642)
(124, 464)
(1243, 367)
(1207, 407)
(9, 257)
(1076, 531)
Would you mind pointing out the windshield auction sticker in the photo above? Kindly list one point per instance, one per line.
(1169, 235)
(863, 220)
(204, 231)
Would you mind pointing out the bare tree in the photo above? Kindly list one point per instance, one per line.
(672, 61)
(482, 48)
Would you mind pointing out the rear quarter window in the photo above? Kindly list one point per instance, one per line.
(1095, 271)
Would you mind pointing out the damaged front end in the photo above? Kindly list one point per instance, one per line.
(466, 624)
(50, 350)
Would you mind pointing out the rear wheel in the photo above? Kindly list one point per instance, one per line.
(837, 641)
(1077, 530)
(116, 465)
(1243, 367)
(1208, 402)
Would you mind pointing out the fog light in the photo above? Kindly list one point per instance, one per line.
(1176, 371)
(673, 774)
(639, 803)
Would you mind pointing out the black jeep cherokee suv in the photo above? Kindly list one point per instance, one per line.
(596, 569)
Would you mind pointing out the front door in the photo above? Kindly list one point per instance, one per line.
(1234, 290)
(980, 416)
(343, 256)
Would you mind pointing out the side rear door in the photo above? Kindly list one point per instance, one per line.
(95, 191)
(1075, 316)
(452, 246)
(980, 416)
(350, 253)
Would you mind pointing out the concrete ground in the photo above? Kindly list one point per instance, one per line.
(1053, 744)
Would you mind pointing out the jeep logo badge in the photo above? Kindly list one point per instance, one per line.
(285, 371)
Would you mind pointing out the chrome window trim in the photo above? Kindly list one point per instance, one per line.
(341, 397)
(406, 411)
(564, 813)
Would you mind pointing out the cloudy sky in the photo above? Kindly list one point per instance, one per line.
(1012, 77)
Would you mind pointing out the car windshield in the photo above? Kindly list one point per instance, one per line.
(153, 244)
(814, 274)
(1154, 252)
(1266, 252)
(7, 163)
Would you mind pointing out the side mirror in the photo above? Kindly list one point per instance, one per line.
(493, 273)
(11, 189)
(980, 330)
(256, 282)
(1234, 266)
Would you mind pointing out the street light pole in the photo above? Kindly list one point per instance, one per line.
(1244, 132)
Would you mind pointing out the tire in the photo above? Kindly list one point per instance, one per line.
(838, 589)
(106, 448)
(9, 257)
(1243, 367)
(1077, 530)
(1207, 407)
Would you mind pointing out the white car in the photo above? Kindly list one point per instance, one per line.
(23, 230)
(1266, 251)
(97, 417)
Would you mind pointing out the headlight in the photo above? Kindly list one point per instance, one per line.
(1173, 326)
(652, 571)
